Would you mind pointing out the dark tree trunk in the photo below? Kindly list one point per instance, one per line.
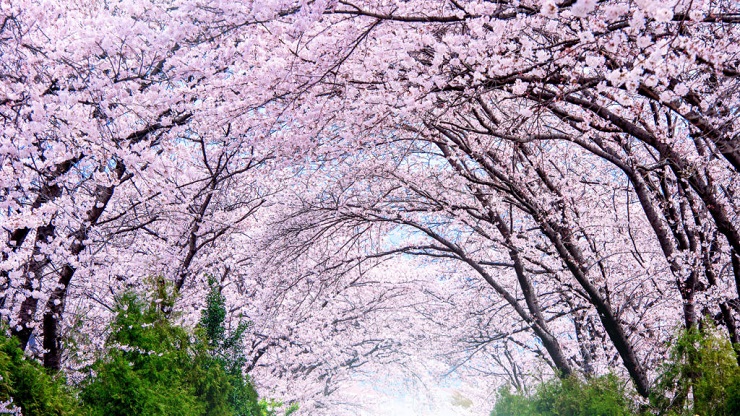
(55, 305)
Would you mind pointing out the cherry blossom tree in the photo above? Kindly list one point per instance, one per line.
(566, 171)
(508, 84)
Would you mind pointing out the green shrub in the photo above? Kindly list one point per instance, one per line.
(147, 368)
(225, 350)
(701, 376)
(598, 396)
(152, 367)
(509, 404)
(31, 388)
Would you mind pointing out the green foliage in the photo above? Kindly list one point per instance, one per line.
(153, 367)
(292, 408)
(701, 377)
(226, 350)
(213, 316)
(225, 346)
(509, 404)
(599, 396)
(148, 367)
(32, 389)
(272, 407)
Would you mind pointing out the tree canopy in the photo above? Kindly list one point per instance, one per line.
(504, 189)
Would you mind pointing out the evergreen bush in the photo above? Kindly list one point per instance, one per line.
(701, 376)
(153, 367)
(25, 381)
(598, 396)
